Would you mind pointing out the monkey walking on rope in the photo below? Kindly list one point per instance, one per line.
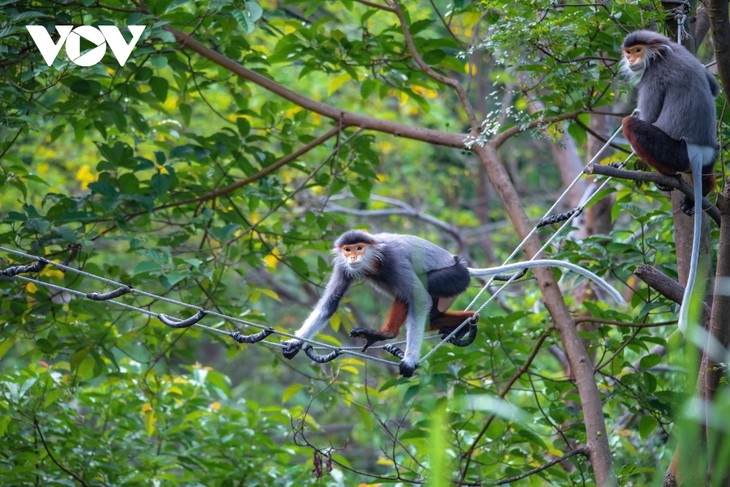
(423, 279)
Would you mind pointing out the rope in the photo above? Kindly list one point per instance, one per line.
(568, 217)
(680, 16)
(454, 337)
(13, 274)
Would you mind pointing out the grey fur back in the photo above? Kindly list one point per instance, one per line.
(664, 90)
(425, 256)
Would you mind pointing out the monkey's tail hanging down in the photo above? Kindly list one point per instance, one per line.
(696, 158)
(490, 271)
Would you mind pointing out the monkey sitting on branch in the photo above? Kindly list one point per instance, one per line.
(422, 278)
(675, 131)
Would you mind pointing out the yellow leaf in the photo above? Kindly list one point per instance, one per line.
(386, 146)
(30, 288)
(336, 83)
(52, 272)
(150, 420)
(425, 92)
(171, 102)
(290, 391)
(272, 259)
(272, 294)
(555, 452)
(352, 361)
(335, 321)
(85, 176)
(292, 111)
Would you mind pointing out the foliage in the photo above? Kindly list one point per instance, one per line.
(170, 174)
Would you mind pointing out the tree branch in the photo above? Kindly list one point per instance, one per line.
(580, 361)
(448, 81)
(53, 459)
(264, 172)
(404, 209)
(502, 137)
(503, 393)
(664, 285)
(346, 119)
(597, 441)
(675, 182)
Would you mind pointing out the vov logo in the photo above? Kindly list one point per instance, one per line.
(101, 37)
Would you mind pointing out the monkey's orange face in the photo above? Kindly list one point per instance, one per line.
(634, 55)
(354, 253)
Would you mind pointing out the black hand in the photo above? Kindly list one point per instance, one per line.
(290, 348)
(370, 336)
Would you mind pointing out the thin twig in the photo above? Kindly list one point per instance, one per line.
(581, 450)
(50, 454)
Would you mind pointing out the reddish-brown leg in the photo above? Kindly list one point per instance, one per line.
(395, 318)
(654, 147)
(449, 319)
(393, 321)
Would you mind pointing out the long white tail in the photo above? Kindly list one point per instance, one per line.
(491, 271)
(697, 155)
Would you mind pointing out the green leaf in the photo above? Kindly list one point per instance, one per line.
(244, 126)
(650, 361)
(5, 345)
(161, 184)
(361, 190)
(367, 87)
(186, 111)
(159, 87)
(82, 363)
(85, 87)
(175, 277)
(647, 424)
(247, 17)
(145, 267)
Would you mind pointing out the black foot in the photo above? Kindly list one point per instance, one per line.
(687, 206)
(458, 338)
(290, 348)
(663, 187)
(406, 370)
(370, 336)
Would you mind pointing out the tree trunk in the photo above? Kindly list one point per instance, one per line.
(580, 362)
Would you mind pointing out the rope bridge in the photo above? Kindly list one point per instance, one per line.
(456, 337)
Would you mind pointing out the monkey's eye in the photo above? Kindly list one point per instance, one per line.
(360, 248)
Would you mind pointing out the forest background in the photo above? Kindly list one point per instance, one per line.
(218, 164)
